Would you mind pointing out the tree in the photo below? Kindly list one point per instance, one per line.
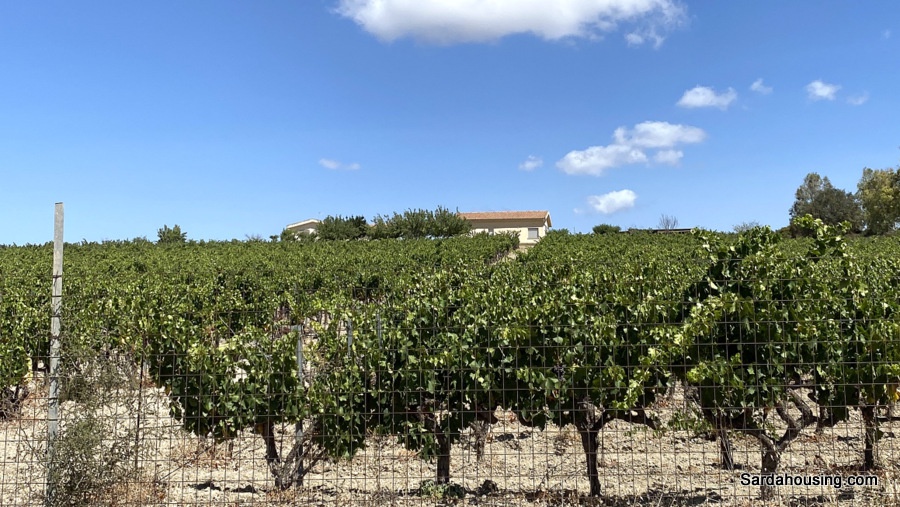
(169, 236)
(819, 198)
(746, 226)
(287, 235)
(414, 223)
(667, 222)
(420, 223)
(606, 229)
(448, 223)
(878, 192)
(384, 228)
(340, 228)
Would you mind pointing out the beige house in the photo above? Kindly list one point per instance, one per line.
(310, 226)
(530, 226)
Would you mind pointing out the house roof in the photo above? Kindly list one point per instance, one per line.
(507, 215)
(305, 223)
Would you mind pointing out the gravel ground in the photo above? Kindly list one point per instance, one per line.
(520, 466)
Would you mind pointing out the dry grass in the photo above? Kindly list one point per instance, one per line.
(198, 452)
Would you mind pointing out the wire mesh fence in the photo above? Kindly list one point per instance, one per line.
(585, 372)
(384, 403)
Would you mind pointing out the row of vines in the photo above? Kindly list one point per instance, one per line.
(422, 339)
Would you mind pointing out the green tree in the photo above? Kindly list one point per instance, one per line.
(414, 223)
(819, 198)
(878, 191)
(383, 228)
(420, 223)
(606, 229)
(340, 228)
(169, 236)
(448, 223)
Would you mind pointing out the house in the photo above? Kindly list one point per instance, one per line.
(530, 226)
(310, 226)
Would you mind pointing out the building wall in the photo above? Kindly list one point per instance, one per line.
(306, 229)
(309, 229)
(518, 226)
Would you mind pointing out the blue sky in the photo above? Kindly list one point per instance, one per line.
(237, 118)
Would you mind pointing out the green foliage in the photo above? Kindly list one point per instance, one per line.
(879, 192)
(448, 223)
(854, 335)
(420, 223)
(411, 224)
(817, 197)
(606, 229)
(171, 236)
(441, 333)
(340, 228)
(385, 228)
(430, 489)
(291, 236)
(556, 233)
(214, 323)
(725, 311)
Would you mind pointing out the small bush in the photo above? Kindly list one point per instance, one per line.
(95, 456)
(430, 489)
(85, 465)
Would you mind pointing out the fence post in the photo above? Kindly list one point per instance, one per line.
(298, 427)
(349, 336)
(55, 309)
(378, 330)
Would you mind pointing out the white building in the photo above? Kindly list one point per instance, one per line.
(530, 226)
(310, 226)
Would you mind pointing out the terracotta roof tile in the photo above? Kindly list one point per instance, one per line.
(506, 215)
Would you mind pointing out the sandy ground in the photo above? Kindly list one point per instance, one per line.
(520, 466)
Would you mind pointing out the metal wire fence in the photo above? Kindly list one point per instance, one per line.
(152, 426)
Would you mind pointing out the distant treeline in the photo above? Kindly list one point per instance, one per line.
(411, 224)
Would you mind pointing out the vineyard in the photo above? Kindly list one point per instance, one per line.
(616, 369)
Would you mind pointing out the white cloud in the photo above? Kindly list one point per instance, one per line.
(818, 90)
(885, 35)
(671, 157)
(704, 96)
(759, 87)
(858, 100)
(531, 163)
(329, 164)
(639, 37)
(629, 147)
(597, 159)
(612, 202)
(336, 165)
(634, 39)
(658, 134)
(456, 21)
